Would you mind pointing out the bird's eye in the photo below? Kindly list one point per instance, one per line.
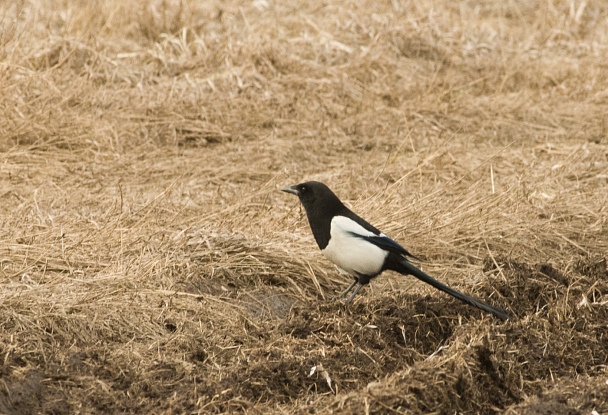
(303, 189)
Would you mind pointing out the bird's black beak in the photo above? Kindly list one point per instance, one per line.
(291, 189)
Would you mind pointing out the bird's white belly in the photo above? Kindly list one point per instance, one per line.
(352, 254)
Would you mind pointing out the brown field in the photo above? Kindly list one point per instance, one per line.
(150, 264)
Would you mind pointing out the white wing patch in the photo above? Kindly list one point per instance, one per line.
(350, 253)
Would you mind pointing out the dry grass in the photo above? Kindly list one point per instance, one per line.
(150, 265)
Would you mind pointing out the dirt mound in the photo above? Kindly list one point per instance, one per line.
(405, 352)
(559, 335)
(421, 353)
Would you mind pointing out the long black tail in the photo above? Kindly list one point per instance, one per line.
(402, 266)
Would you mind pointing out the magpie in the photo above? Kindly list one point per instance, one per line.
(358, 248)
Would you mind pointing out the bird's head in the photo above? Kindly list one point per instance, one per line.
(311, 192)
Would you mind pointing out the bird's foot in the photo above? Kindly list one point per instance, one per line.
(345, 292)
(350, 299)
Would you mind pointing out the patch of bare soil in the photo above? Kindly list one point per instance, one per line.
(407, 352)
(558, 336)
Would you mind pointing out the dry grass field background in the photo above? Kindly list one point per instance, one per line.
(150, 264)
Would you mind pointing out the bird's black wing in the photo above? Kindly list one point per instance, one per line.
(386, 243)
(380, 239)
(358, 219)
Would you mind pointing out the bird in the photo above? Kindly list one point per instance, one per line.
(359, 249)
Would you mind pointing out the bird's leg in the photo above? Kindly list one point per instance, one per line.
(350, 299)
(362, 280)
(343, 293)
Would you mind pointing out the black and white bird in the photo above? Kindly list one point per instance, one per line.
(358, 248)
